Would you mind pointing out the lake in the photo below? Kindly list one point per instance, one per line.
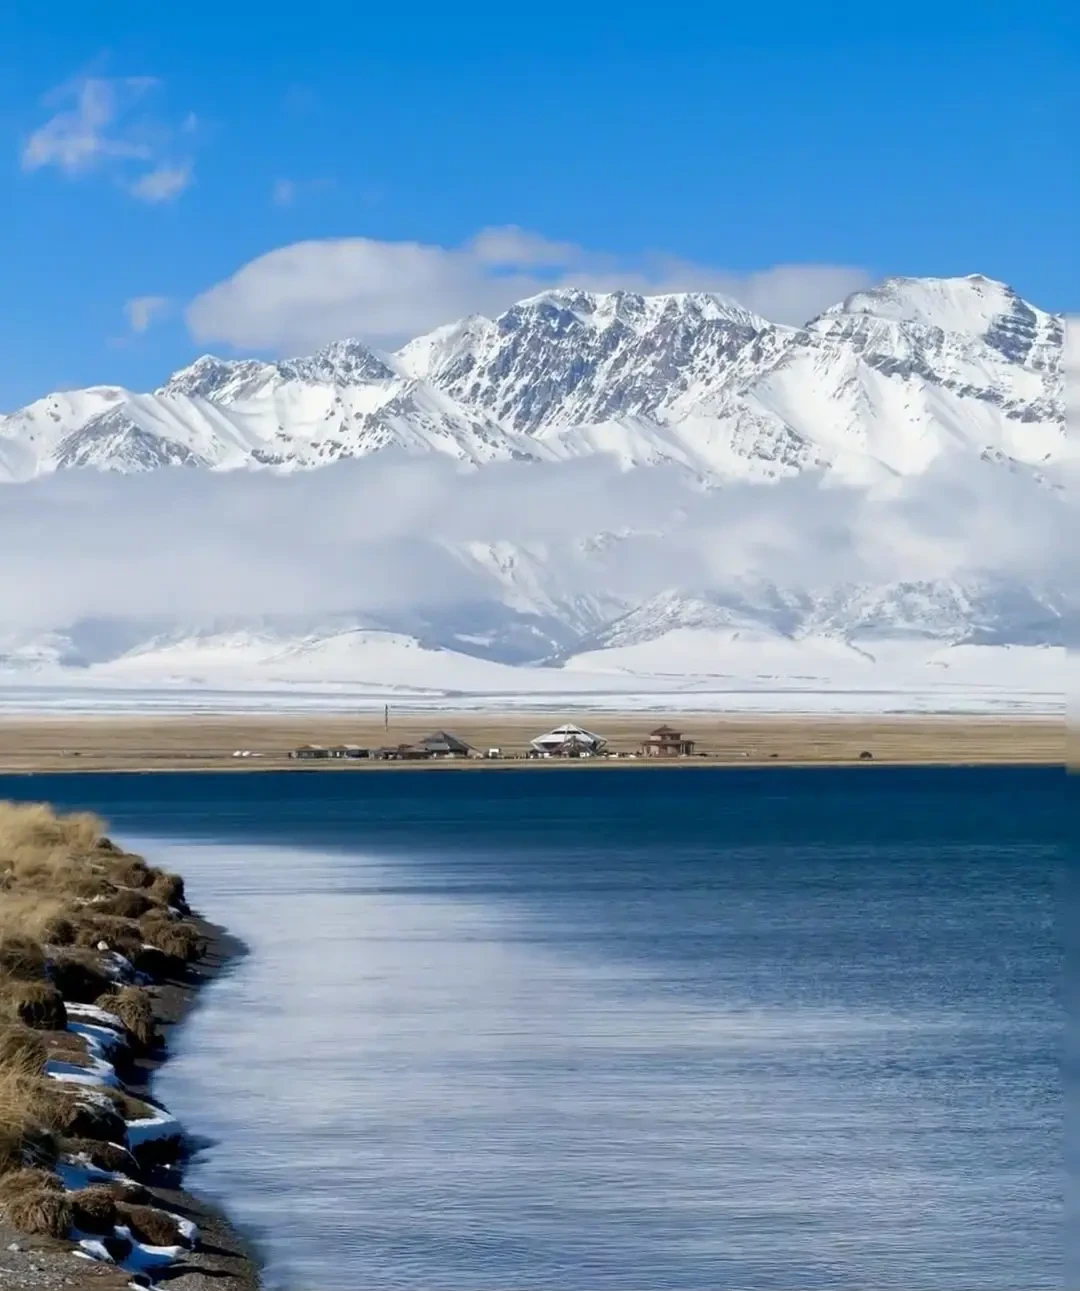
(638, 1029)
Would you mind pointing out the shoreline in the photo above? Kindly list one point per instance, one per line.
(554, 766)
(222, 1258)
(234, 1264)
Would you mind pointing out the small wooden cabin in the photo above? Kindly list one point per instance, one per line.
(306, 752)
(667, 742)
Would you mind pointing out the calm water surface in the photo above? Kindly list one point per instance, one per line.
(624, 1029)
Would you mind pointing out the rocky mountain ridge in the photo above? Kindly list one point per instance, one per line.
(874, 394)
(880, 384)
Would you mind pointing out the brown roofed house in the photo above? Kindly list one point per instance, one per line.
(667, 742)
(441, 744)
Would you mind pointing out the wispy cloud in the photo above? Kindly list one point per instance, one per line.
(142, 311)
(107, 125)
(287, 192)
(162, 184)
(303, 295)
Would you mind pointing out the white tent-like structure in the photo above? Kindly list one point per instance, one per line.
(568, 741)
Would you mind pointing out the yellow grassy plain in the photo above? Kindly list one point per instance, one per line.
(208, 742)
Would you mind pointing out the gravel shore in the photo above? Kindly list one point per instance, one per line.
(224, 1260)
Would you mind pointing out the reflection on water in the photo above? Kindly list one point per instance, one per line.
(647, 1032)
(417, 1086)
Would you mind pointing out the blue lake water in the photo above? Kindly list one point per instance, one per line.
(628, 1029)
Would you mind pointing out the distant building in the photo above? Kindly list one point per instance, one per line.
(667, 742)
(567, 741)
(441, 744)
(349, 751)
(308, 751)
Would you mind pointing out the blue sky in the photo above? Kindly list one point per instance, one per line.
(150, 152)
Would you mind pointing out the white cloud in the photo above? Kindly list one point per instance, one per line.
(284, 192)
(105, 124)
(162, 184)
(386, 534)
(144, 310)
(300, 296)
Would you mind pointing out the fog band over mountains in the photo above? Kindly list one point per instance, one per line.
(584, 472)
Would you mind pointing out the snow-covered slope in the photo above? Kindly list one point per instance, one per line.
(884, 382)
(884, 394)
(685, 667)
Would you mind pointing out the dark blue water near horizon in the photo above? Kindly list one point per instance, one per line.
(626, 1028)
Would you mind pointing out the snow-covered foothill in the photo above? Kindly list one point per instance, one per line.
(800, 503)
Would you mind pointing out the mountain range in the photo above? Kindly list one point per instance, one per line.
(876, 396)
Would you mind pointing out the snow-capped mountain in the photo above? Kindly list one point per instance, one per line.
(874, 395)
(881, 384)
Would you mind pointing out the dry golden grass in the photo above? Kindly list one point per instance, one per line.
(29, 1179)
(208, 742)
(94, 1210)
(25, 1113)
(41, 1212)
(36, 830)
(66, 895)
(21, 957)
(150, 1225)
(134, 1007)
(22, 1046)
(35, 1004)
(33, 913)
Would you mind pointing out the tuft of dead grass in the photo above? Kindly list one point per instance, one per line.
(169, 889)
(25, 1114)
(79, 977)
(22, 1047)
(22, 957)
(150, 1225)
(126, 870)
(135, 1008)
(40, 1213)
(93, 1210)
(93, 930)
(126, 903)
(127, 1190)
(36, 1004)
(37, 826)
(172, 937)
(28, 1179)
(77, 1118)
(30, 912)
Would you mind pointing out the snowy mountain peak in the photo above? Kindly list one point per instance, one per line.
(210, 378)
(347, 362)
(972, 306)
(629, 309)
(881, 386)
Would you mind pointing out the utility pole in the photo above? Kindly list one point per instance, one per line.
(386, 717)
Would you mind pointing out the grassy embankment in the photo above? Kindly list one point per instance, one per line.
(80, 922)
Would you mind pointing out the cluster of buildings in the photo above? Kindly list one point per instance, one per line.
(566, 741)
